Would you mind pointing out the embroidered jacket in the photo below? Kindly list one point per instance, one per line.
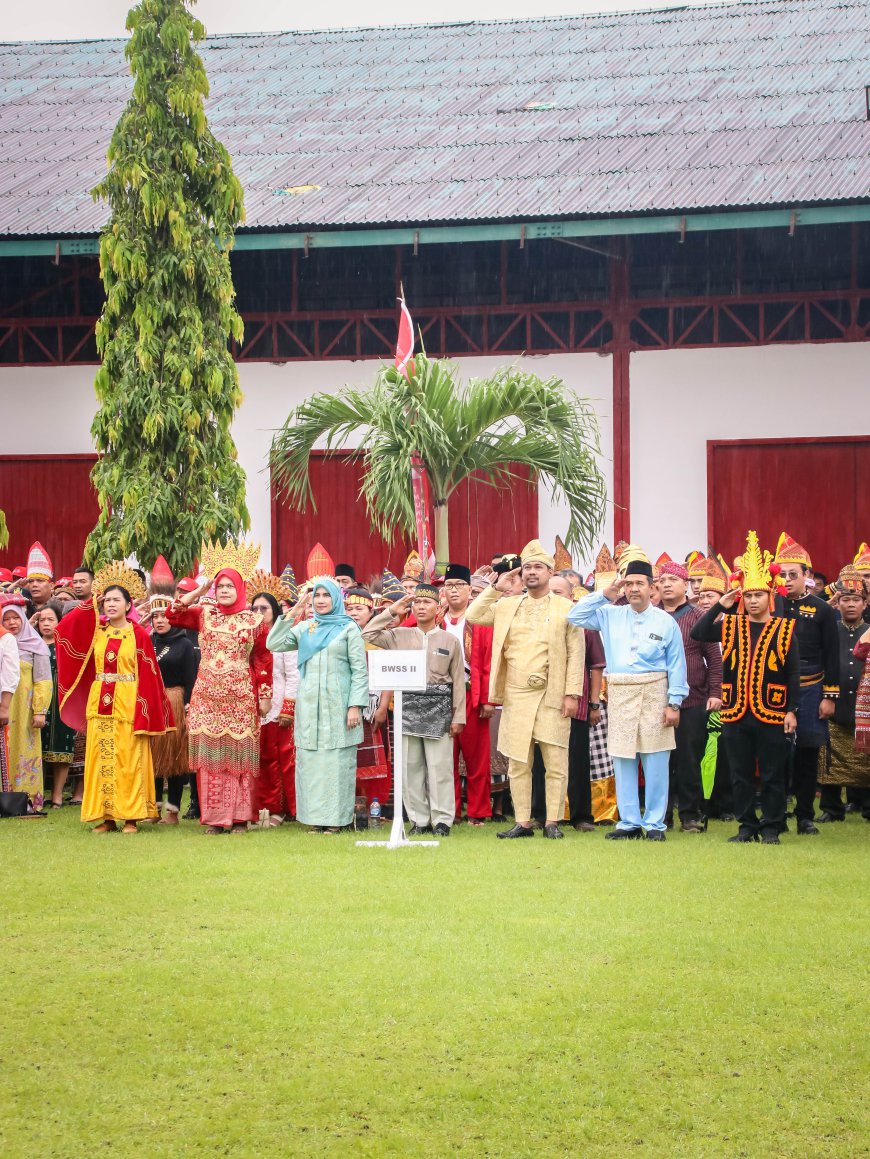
(760, 665)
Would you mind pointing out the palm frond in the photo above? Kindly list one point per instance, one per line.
(489, 427)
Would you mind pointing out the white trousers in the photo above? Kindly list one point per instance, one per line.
(430, 797)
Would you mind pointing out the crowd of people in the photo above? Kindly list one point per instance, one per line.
(645, 695)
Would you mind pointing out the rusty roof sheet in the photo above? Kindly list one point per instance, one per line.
(757, 103)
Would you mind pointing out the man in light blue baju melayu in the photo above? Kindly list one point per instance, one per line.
(646, 684)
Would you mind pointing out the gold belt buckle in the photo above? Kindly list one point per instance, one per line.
(536, 681)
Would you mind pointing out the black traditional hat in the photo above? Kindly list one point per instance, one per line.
(458, 571)
(345, 569)
(639, 567)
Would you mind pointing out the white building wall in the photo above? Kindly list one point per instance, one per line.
(48, 410)
(682, 398)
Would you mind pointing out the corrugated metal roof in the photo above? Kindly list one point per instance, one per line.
(734, 105)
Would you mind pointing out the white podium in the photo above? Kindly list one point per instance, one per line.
(397, 671)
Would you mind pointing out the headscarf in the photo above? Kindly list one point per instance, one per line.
(30, 643)
(241, 594)
(325, 627)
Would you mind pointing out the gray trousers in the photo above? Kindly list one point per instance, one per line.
(430, 797)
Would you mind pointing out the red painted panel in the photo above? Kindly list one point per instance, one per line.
(49, 498)
(811, 488)
(483, 521)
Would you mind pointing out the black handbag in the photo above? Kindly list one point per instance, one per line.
(14, 804)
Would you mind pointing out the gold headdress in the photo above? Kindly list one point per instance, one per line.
(862, 558)
(413, 566)
(605, 569)
(117, 572)
(241, 557)
(264, 581)
(715, 576)
(535, 552)
(755, 573)
(849, 580)
(696, 565)
(630, 553)
(561, 557)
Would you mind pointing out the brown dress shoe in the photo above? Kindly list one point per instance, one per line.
(584, 827)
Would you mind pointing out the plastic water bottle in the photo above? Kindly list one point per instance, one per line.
(375, 812)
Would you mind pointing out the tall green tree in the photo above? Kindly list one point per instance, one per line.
(168, 387)
(488, 426)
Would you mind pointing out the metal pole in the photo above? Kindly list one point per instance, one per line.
(398, 836)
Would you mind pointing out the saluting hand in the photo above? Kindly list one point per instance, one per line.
(730, 598)
(613, 591)
(400, 608)
(505, 580)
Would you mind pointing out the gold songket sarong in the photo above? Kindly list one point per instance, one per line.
(846, 766)
(636, 702)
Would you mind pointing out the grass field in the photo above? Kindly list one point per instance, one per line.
(282, 994)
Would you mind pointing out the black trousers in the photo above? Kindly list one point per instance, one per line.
(579, 786)
(831, 800)
(721, 797)
(686, 787)
(748, 742)
(804, 777)
(174, 790)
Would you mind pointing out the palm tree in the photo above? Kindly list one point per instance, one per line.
(488, 427)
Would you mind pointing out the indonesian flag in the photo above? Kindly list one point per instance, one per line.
(405, 342)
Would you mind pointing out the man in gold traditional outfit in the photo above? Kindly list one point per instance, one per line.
(537, 675)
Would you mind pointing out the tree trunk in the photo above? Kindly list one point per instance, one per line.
(442, 539)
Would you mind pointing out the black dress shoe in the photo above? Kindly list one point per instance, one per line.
(727, 817)
(553, 832)
(807, 829)
(191, 814)
(824, 818)
(418, 830)
(743, 838)
(694, 826)
(851, 807)
(441, 830)
(655, 835)
(517, 831)
(770, 839)
(624, 835)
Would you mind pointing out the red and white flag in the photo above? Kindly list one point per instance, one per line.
(419, 475)
(405, 342)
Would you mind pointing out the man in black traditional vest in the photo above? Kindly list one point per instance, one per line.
(760, 693)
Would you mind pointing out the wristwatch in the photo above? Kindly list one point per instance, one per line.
(676, 707)
(593, 704)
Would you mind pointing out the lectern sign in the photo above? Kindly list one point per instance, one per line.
(397, 670)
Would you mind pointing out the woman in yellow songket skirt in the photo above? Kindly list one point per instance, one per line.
(115, 666)
(29, 704)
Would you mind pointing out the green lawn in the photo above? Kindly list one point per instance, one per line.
(280, 994)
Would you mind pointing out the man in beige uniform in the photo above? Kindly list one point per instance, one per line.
(431, 718)
(537, 676)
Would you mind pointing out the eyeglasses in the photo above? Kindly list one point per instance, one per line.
(455, 585)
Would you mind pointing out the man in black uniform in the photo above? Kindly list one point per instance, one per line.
(847, 766)
(818, 640)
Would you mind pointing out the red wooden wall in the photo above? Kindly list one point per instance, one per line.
(815, 489)
(49, 498)
(483, 521)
